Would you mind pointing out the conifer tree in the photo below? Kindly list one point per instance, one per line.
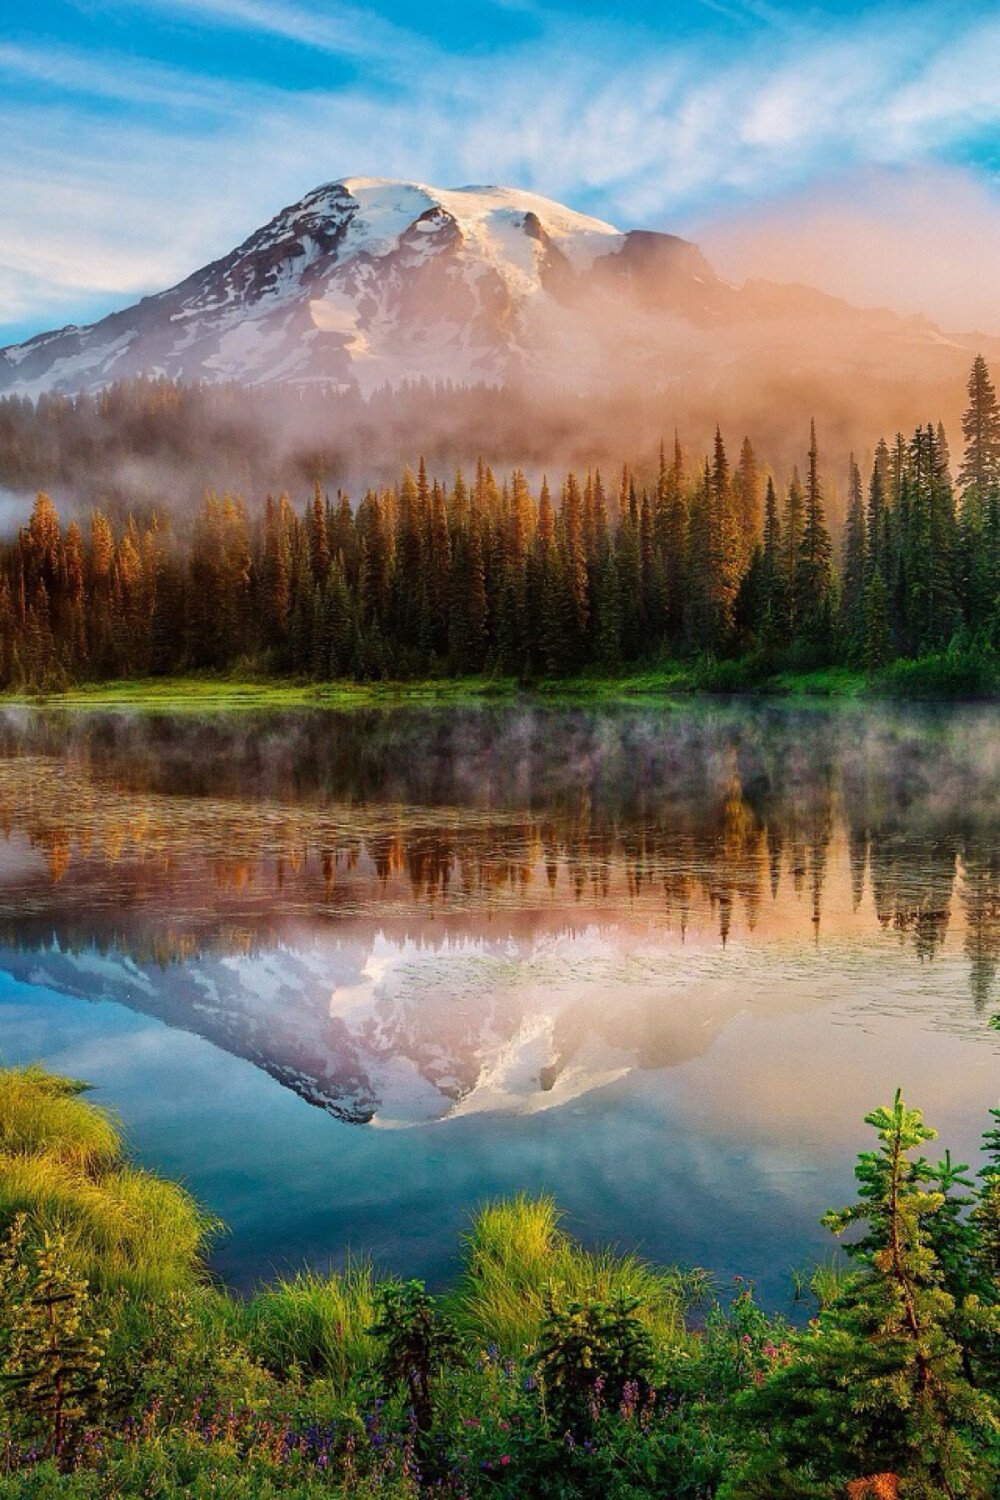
(855, 570)
(878, 636)
(980, 471)
(575, 569)
(792, 529)
(771, 620)
(675, 546)
(747, 500)
(815, 575)
(878, 1384)
(440, 571)
(319, 545)
(51, 1369)
(875, 521)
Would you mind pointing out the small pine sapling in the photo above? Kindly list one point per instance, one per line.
(51, 1376)
(591, 1351)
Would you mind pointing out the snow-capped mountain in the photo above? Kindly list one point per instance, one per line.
(367, 1031)
(369, 280)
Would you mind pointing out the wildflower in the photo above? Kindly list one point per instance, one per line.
(505, 1459)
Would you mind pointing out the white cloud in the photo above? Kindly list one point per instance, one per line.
(339, 30)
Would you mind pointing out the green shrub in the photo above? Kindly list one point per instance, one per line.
(972, 673)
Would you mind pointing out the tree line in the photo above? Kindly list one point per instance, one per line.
(486, 575)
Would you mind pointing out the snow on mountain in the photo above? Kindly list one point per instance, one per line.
(368, 280)
(398, 1034)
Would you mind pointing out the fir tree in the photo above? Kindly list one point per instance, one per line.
(878, 1384)
(855, 569)
(980, 471)
(53, 1356)
(815, 575)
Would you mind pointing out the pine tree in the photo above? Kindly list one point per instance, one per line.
(855, 570)
(980, 471)
(440, 571)
(792, 530)
(770, 623)
(986, 1212)
(878, 638)
(51, 1370)
(609, 615)
(319, 545)
(878, 1384)
(747, 502)
(875, 523)
(815, 577)
(574, 565)
(675, 546)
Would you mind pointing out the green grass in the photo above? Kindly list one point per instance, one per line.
(230, 695)
(41, 1114)
(656, 686)
(62, 1163)
(317, 1324)
(516, 1252)
(948, 676)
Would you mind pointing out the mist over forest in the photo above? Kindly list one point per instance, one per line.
(148, 443)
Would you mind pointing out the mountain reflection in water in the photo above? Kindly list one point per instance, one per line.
(413, 914)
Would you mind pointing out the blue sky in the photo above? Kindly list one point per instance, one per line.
(140, 138)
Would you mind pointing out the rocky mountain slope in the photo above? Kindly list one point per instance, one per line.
(368, 281)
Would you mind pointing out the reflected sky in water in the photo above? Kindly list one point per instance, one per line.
(349, 975)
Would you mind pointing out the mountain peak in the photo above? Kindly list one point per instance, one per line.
(369, 280)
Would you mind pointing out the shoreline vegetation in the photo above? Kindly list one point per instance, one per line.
(545, 1370)
(946, 677)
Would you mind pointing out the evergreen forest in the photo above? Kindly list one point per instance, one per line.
(497, 576)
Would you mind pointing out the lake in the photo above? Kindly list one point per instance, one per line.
(349, 975)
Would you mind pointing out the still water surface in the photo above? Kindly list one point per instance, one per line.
(349, 975)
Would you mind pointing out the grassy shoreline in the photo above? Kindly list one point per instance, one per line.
(657, 687)
(950, 677)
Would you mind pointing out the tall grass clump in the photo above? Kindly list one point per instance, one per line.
(62, 1164)
(516, 1256)
(318, 1325)
(41, 1113)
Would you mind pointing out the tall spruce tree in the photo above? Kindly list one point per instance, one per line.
(855, 569)
(815, 580)
(980, 469)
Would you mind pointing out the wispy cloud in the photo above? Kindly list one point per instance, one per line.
(337, 30)
(617, 120)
